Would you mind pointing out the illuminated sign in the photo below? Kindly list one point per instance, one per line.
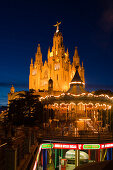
(47, 146)
(91, 146)
(80, 146)
(70, 146)
(64, 146)
(108, 145)
(102, 146)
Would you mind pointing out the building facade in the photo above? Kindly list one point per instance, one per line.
(57, 67)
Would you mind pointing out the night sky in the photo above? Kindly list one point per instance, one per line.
(86, 24)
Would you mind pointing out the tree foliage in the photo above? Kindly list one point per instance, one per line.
(28, 110)
(101, 91)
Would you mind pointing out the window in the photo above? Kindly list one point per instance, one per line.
(57, 76)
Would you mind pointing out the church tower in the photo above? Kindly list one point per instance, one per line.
(76, 59)
(57, 67)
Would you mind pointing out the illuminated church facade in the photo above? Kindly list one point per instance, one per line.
(57, 67)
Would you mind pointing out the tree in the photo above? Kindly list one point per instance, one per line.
(101, 91)
(28, 110)
(25, 109)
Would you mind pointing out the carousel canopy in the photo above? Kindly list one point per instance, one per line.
(76, 85)
(76, 89)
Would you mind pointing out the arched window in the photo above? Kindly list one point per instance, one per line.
(57, 76)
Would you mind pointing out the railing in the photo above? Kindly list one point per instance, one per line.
(19, 149)
(76, 136)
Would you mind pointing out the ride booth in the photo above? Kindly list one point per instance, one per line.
(59, 156)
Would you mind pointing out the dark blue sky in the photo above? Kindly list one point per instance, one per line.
(86, 24)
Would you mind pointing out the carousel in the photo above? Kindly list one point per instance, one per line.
(86, 110)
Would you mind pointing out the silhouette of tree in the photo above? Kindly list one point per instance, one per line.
(26, 109)
(101, 91)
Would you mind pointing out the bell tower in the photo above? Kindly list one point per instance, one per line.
(57, 41)
(38, 56)
(76, 59)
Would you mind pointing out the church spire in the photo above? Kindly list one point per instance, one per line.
(67, 55)
(38, 49)
(38, 56)
(31, 61)
(48, 52)
(76, 52)
(76, 59)
(82, 64)
(67, 52)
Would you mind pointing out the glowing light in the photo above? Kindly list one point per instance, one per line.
(57, 31)
(84, 119)
(91, 146)
(47, 146)
(64, 146)
(84, 95)
(77, 82)
(51, 54)
(37, 158)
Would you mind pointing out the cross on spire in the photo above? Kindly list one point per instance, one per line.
(57, 26)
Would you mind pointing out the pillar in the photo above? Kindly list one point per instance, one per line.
(109, 154)
(77, 155)
(61, 153)
(89, 154)
(97, 155)
(101, 153)
(44, 159)
(56, 158)
(50, 156)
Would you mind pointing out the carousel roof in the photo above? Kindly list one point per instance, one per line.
(76, 89)
(76, 77)
(84, 98)
(76, 85)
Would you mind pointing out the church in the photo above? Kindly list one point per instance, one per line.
(57, 68)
